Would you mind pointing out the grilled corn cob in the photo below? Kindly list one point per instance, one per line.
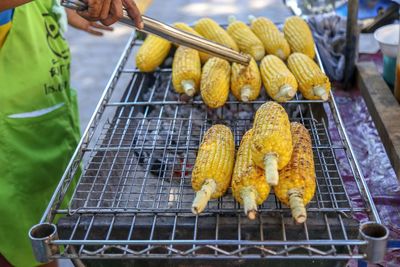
(313, 83)
(214, 85)
(246, 40)
(249, 186)
(209, 29)
(272, 142)
(296, 185)
(279, 82)
(299, 36)
(184, 27)
(213, 168)
(245, 81)
(186, 71)
(272, 39)
(152, 53)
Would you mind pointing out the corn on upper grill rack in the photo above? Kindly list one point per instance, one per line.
(133, 196)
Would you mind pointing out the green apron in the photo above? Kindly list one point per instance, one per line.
(39, 126)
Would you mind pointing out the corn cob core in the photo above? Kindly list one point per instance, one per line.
(212, 31)
(246, 40)
(246, 81)
(184, 27)
(279, 82)
(313, 83)
(296, 185)
(215, 81)
(249, 186)
(152, 53)
(186, 71)
(212, 172)
(272, 142)
(272, 39)
(299, 36)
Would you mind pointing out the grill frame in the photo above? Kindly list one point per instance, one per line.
(339, 249)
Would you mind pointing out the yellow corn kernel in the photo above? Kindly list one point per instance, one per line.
(245, 81)
(272, 142)
(299, 36)
(212, 171)
(186, 71)
(212, 31)
(249, 186)
(273, 40)
(296, 185)
(214, 85)
(279, 82)
(184, 27)
(152, 53)
(313, 83)
(247, 41)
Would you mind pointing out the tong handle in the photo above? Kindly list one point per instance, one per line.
(174, 35)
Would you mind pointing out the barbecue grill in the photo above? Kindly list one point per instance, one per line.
(126, 193)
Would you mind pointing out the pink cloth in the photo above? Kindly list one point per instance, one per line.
(375, 165)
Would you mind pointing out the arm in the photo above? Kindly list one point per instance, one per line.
(7, 4)
(106, 11)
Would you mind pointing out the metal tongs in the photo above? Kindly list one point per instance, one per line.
(174, 35)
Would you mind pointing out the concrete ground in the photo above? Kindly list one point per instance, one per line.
(94, 58)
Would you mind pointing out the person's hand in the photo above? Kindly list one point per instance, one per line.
(80, 23)
(110, 11)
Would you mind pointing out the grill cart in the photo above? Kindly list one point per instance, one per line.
(126, 194)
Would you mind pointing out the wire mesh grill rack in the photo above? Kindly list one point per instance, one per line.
(127, 191)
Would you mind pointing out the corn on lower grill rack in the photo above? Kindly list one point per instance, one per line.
(133, 194)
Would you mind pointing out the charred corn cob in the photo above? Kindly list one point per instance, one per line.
(279, 82)
(214, 85)
(272, 142)
(249, 186)
(245, 81)
(186, 71)
(299, 36)
(209, 29)
(152, 53)
(272, 39)
(296, 185)
(213, 168)
(313, 83)
(246, 40)
(184, 27)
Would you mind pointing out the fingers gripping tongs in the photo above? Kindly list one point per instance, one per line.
(174, 35)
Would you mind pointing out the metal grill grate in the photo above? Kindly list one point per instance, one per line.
(134, 194)
(142, 161)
